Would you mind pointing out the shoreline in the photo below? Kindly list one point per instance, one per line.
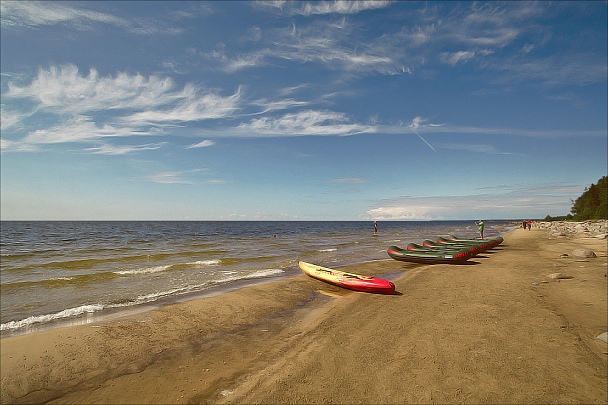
(496, 331)
(19, 317)
(111, 314)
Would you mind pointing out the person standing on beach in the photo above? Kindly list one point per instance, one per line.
(375, 227)
(529, 224)
(480, 226)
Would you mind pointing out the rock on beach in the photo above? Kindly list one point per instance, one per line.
(583, 253)
(592, 228)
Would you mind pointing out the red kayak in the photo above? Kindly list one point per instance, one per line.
(351, 281)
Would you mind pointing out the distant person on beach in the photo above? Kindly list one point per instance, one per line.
(480, 226)
(524, 224)
(529, 224)
(375, 227)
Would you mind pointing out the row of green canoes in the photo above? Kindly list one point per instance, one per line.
(449, 249)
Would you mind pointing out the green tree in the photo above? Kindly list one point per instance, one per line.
(593, 203)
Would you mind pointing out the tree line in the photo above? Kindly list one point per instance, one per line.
(592, 204)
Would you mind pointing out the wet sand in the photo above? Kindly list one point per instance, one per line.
(497, 330)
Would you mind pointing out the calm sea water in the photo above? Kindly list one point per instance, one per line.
(76, 271)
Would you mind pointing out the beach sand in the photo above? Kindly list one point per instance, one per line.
(498, 330)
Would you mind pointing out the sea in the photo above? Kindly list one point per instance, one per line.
(56, 273)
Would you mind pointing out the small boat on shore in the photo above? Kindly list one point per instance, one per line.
(429, 257)
(356, 282)
(471, 247)
(493, 242)
(439, 248)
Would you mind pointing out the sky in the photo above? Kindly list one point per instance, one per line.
(281, 110)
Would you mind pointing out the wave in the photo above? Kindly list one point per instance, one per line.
(147, 270)
(86, 278)
(59, 282)
(178, 266)
(66, 313)
(327, 250)
(140, 300)
(83, 264)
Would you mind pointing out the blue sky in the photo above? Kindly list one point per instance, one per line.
(283, 110)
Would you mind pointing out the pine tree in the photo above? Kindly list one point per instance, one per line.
(593, 203)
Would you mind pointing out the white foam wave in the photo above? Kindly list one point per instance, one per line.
(147, 270)
(202, 263)
(142, 299)
(66, 313)
(328, 250)
(251, 276)
(264, 273)
(159, 269)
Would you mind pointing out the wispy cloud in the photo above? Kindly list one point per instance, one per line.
(181, 177)
(66, 90)
(203, 144)
(308, 8)
(9, 118)
(32, 14)
(169, 178)
(310, 122)
(325, 43)
(107, 149)
(78, 129)
(196, 108)
(422, 126)
(79, 107)
(535, 201)
(456, 57)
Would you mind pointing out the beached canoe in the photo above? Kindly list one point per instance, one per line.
(414, 247)
(472, 247)
(351, 281)
(493, 241)
(439, 257)
(482, 244)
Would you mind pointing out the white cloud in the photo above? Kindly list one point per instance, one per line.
(320, 42)
(505, 202)
(407, 212)
(89, 107)
(255, 59)
(33, 13)
(310, 122)
(78, 129)
(308, 8)
(183, 177)
(456, 57)
(202, 144)
(332, 7)
(216, 181)
(17, 14)
(276, 105)
(9, 118)
(169, 178)
(64, 89)
(196, 108)
(107, 149)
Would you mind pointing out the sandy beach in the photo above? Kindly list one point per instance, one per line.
(517, 324)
